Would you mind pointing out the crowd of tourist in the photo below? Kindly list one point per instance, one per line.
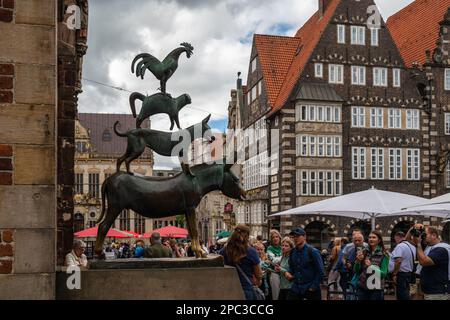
(288, 268)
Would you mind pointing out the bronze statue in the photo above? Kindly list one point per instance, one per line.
(159, 103)
(158, 197)
(159, 141)
(161, 70)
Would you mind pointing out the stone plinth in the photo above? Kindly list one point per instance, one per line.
(211, 261)
(196, 283)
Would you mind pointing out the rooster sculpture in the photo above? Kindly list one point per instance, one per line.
(161, 70)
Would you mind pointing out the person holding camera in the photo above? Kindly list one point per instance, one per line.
(371, 268)
(403, 256)
(434, 266)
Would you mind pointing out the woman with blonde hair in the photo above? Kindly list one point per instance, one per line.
(238, 253)
(265, 266)
(274, 255)
(285, 280)
(334, 274)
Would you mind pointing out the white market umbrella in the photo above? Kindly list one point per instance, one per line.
(371, 204)
(436, 207)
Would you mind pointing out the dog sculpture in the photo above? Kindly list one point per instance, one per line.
(163, 143)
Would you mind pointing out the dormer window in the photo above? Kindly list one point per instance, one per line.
(318, 67)
(253, 65)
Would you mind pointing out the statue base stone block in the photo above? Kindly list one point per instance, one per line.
(152, 279)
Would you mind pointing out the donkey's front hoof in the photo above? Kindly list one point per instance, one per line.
(100, 256)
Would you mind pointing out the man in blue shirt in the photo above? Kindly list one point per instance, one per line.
(305, 269)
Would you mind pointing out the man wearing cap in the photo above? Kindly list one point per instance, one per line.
(156, 249)
(305, 269)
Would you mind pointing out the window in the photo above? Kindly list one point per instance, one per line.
(413, 164)
(328, 114)
(358, 163)
(329, 183)
(447, 123)
(396, 78)
(79, 183)
(319, 183)
(320, 146)
(312, 113)
(336, 73)
(139, 224)
(358, 35)
(329, 146)
(304, 182)
(374, 36)
(358, 117)
(318, 70)
(337, 183)
(124, 220)
(395, 164)
(94, 186)
(376, 117)
(106, 136)
(447, 174)
(341, 33)
(359, 75)
(337, 114)
(312, 146)
(302, 145)
(320, 113)
(395, 118)
(259, 88)
(380, 77)
(249, 98)
(312, 183)
(254, 93)
(412, 119)
(304, 114)
(377, 163)
(447, 79)
(254, 65)
(337, 146)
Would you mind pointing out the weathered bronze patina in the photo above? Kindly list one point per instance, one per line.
(161, 142)
(161, 70)
(159, 103)
(158, 197)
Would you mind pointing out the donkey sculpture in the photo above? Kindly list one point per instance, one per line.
(156, 197)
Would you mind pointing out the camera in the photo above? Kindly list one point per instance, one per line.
(419, 233)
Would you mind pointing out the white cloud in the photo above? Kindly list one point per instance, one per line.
(220, 31)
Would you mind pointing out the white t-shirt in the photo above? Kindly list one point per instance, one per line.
(405, 251)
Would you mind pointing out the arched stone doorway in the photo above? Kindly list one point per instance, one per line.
(403, 226)
(364, 225)
(446, 233)
(319, 234)
(78, 222)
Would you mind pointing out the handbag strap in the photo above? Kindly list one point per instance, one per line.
(245, 276)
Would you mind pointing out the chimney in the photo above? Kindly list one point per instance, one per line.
(323, 4)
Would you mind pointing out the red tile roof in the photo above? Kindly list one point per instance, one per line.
(309, 36)
(415, 28)
(275, 56)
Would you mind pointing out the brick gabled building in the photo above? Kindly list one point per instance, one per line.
(349, 114)
(422, 34)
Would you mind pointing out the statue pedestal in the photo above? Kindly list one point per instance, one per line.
(153, 279)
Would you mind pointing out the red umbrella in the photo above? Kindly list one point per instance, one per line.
(134, 234)
(169, 231)
(112, 233)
